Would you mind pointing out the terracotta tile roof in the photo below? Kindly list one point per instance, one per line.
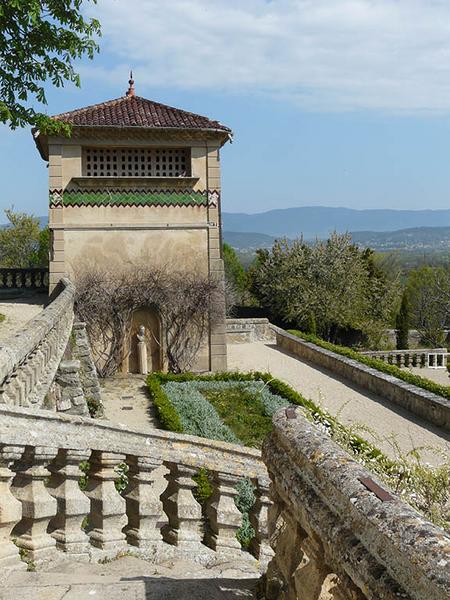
(134, 111)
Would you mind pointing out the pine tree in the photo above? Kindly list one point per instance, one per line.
(402, 323)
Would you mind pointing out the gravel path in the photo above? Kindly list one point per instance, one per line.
(126, 401)
(440, 376)
(18, 312)
(352, 404)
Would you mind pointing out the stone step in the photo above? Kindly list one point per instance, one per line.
(130, 578)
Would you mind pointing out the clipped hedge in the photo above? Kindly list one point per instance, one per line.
(167, 414)
(375, 363)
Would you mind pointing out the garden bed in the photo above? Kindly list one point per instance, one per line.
(238, 408)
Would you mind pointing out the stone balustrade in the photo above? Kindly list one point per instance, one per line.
(336, 535)
(30, 359)
(35, 279)
(435, 358)
(44, 456)
(426, 405)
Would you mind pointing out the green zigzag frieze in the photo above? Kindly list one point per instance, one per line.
(128, 198)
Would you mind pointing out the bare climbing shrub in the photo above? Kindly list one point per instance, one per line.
(187, 303)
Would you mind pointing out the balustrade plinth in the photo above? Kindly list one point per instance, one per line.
(184, 513)
(143, 505)
(72, 504)
(38, 506)
(107, 514)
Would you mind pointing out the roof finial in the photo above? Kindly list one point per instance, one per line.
(130, 91)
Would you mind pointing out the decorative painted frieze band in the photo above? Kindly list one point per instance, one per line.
(59, 198)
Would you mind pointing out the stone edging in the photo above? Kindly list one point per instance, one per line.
(422, 403)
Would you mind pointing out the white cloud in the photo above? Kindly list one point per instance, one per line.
(323, 54)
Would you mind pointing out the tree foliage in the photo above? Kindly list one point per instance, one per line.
(429, 294)
(39, 40)
(235, 277)
(331, 283)
(23, 243)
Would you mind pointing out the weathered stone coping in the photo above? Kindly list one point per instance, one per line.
(430, 407)
(378, 545)
(15, 349)
(44, 428)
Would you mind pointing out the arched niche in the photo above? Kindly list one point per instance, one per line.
(149, 318)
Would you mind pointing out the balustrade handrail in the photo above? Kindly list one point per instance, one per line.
(15, 349)
(347, 525)
(409, 351)
(22, 426)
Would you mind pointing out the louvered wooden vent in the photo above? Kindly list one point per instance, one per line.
(136, 162)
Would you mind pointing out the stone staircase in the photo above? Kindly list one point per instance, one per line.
(131, 578)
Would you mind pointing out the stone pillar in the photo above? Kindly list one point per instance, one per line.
(38, 506)
(224, 516)
(258, 516)
(72, 504)
(286, 537)
(107, 516)
(143, 506)
(218, 346)
(183, 511)
(71, 398)
(10, 509)
(310, 575)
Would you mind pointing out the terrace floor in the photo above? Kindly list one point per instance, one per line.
(18, 311)
(379, 418)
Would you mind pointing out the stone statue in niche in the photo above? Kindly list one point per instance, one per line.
(142, 351)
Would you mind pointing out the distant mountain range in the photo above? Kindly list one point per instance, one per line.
(378, 229)
(415, 238)
(248, 241)
(320, 221)
(411, 239)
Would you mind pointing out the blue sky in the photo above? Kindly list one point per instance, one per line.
(333, 102)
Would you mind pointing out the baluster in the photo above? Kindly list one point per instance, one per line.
(14, 389)
(73, 505)
(10, 508)
(144, 508)
(107, 515)
(312, 571)
(340, 587)
(38, 506)
(182, 509)
(28, 379)
(260, 546)
(224, 516)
